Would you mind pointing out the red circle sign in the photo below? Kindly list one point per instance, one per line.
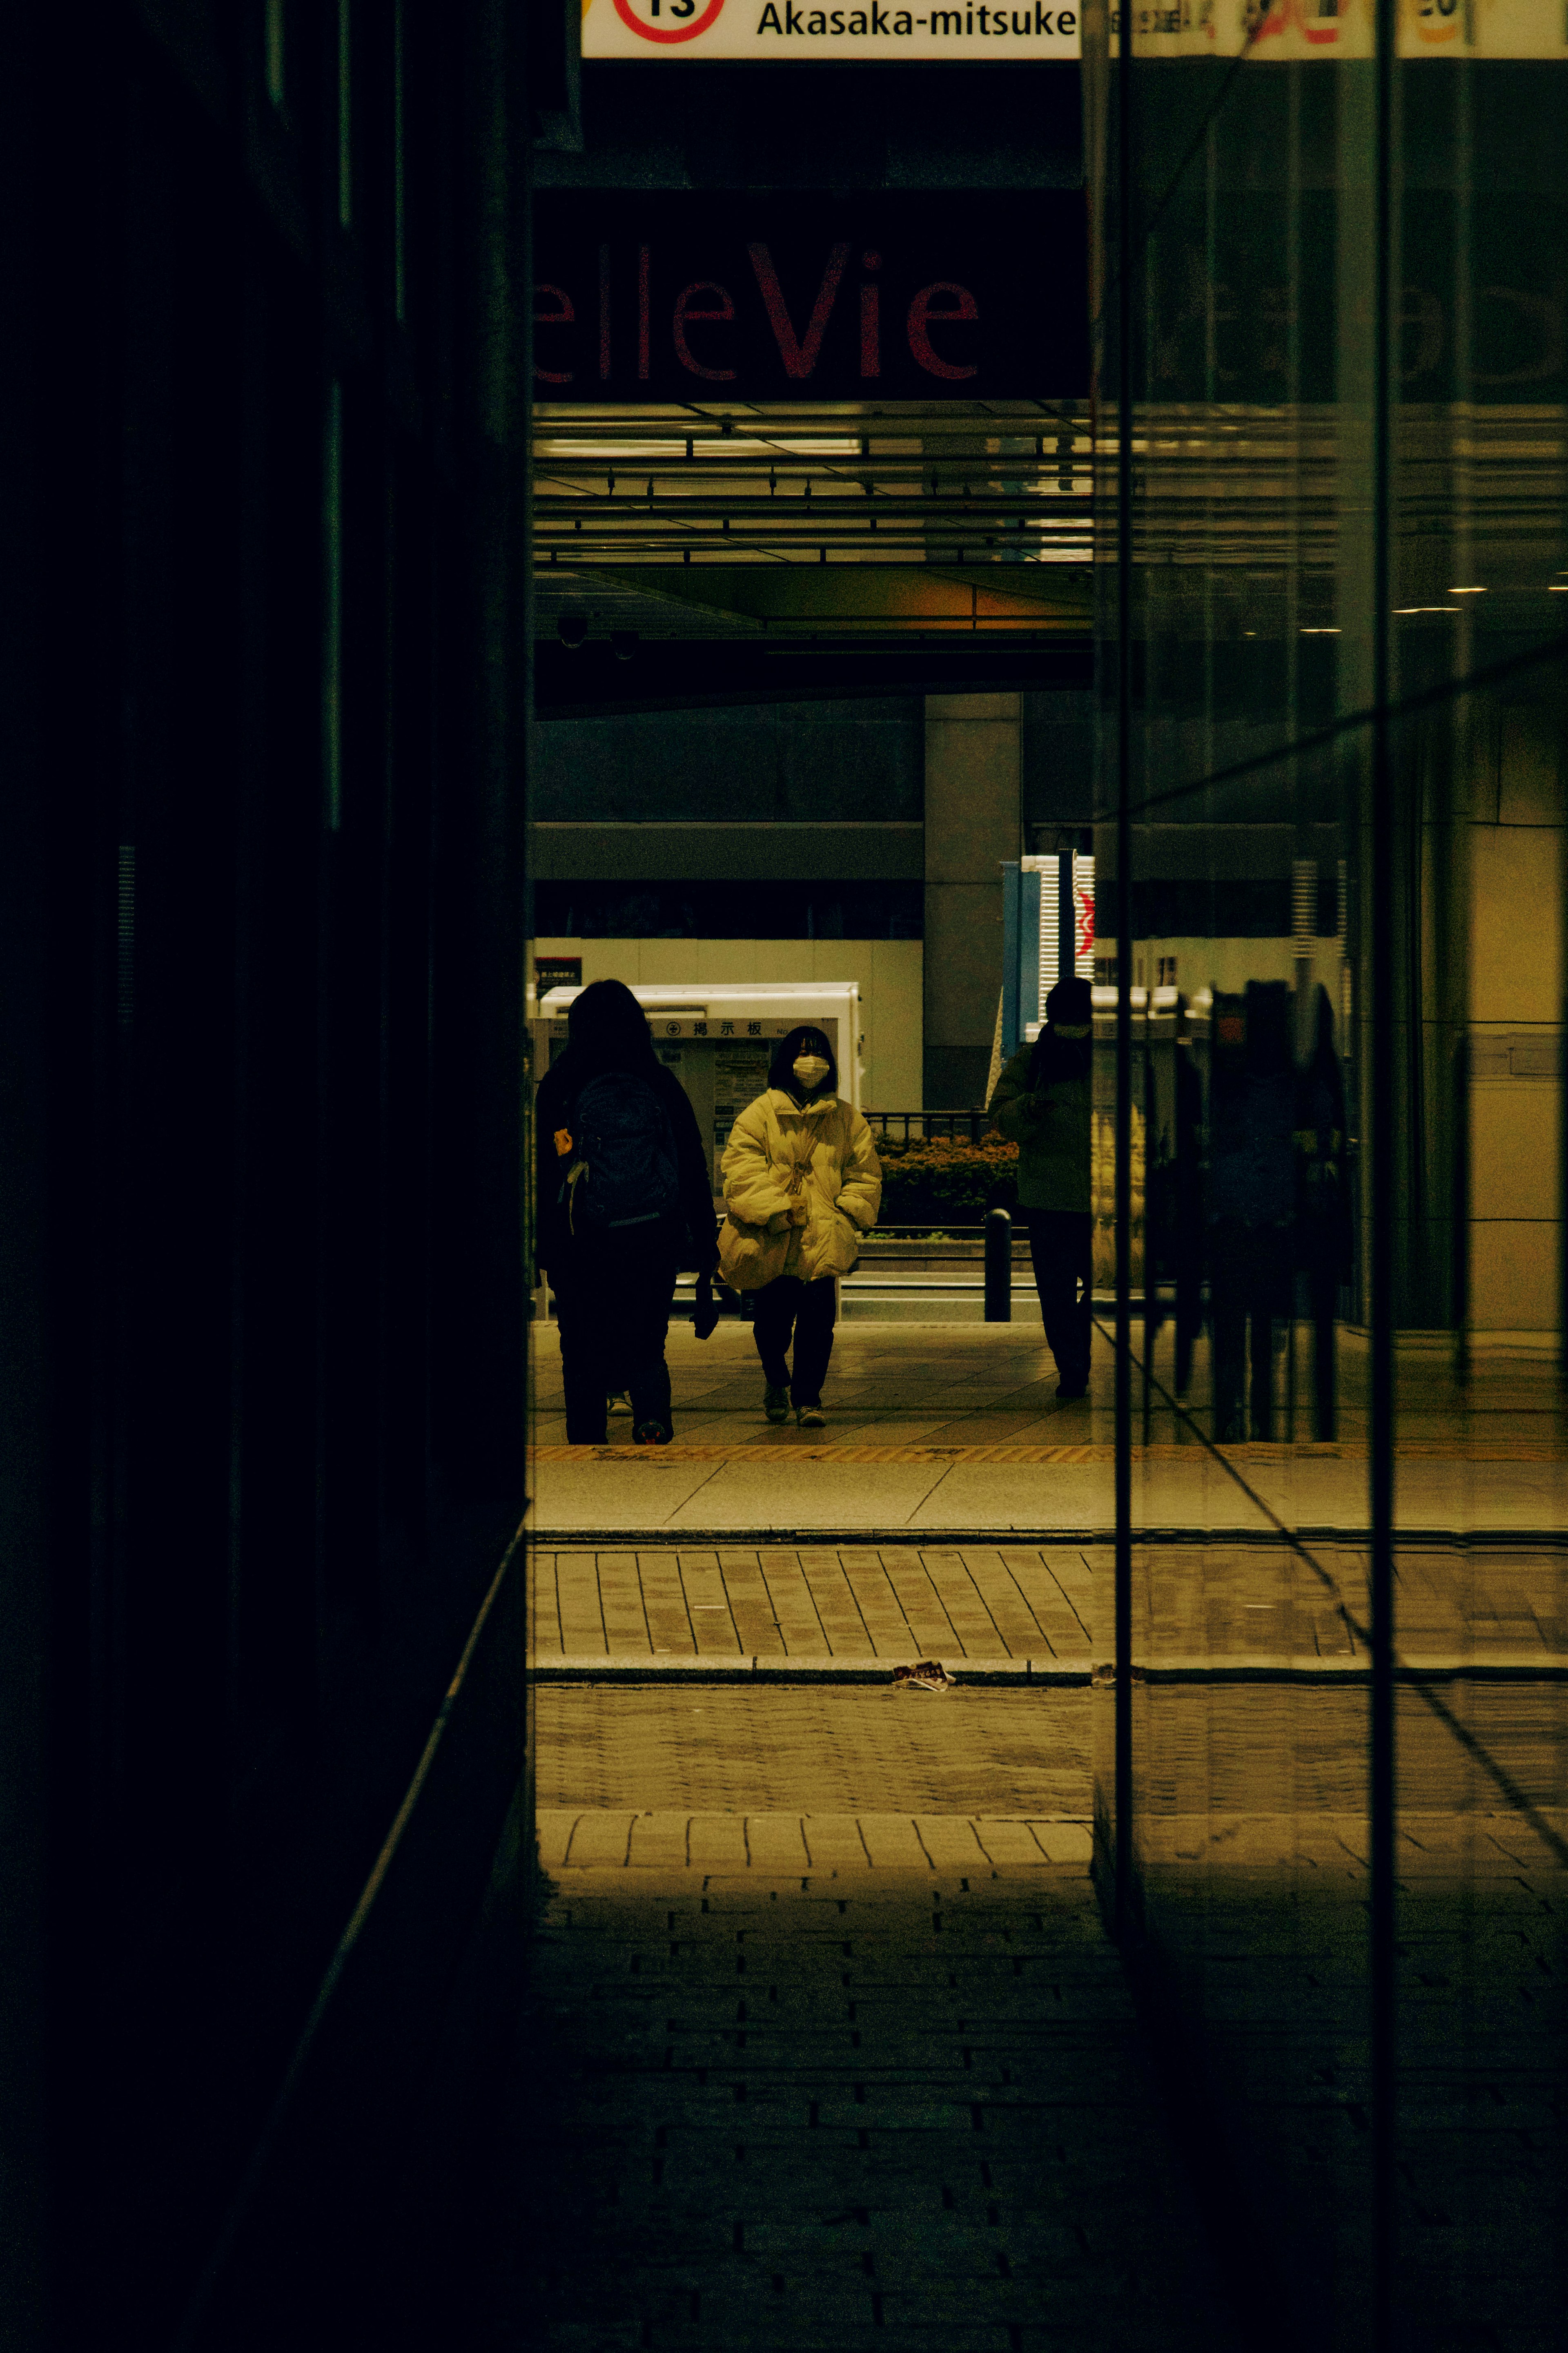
(627, 16)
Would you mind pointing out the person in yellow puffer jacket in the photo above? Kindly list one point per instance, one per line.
(802, 1184)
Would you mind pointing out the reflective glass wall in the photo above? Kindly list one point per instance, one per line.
(1331, 275)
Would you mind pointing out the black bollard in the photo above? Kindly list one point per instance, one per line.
(998, 1266)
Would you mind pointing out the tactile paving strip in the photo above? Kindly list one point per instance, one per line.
(1415, 1449)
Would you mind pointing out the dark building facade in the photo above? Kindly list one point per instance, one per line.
(264, 671)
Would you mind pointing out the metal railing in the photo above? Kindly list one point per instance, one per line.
(911, 1126)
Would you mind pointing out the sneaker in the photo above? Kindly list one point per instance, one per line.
(811, 1417)
(775, 1402)
(652, 1433)
(617, 1402)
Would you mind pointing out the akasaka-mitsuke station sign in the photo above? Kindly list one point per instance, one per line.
(674, 32)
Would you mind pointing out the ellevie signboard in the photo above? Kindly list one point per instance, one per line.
(777, 32)
(744, 295)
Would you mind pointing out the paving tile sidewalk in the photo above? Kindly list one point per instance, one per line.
(827, 2048)
(873, 2106)
(575, 1838)
(982, 1752)
(958, 1428)
(1033, 1608)
(1064, 1493)
(1006, 1604)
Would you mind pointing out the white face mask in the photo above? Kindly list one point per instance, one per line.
(810, 1069)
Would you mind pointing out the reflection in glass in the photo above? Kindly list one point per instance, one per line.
(1331, 492)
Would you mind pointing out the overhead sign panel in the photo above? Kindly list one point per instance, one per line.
(777, 32)
(768, 297)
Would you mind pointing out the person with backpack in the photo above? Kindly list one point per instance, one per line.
(625, 1200)
(1043, 1103)
(802, 1184)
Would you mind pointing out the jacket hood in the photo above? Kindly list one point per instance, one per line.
(1070, 1002)
(607, 1029)
(1252, 1034)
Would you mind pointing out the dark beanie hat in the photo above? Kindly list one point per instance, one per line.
(1069, 1003)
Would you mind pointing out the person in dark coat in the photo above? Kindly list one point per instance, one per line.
(1324, 1229)
(1188, 1199)
(1043, 1103)
(1251, 1200)
(614, 1281)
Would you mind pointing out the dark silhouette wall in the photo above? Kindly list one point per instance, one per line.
(262, 1302)
(796, 763)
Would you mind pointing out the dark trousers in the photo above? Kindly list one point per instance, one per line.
(1061, 1251)
(612, 1297)
(1189, 1313)
(1249, 1285)
(1324, 1284)
(788, 1308)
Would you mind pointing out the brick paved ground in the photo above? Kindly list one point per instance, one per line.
(813, 1750)
(1502, 1605)
(888, 2107)
(1252, 1804)
(804, 1845)
(827, 2046)
(1036, 1607)
(815, 1603)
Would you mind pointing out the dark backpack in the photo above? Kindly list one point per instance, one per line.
(624, 1169)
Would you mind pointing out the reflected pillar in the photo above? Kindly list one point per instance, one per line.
(1519, 849)
(972, 821)
(1433, 767)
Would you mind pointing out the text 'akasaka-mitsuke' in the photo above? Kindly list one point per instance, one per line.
(817, 24)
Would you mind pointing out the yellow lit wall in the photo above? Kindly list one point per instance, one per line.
(1516, 998)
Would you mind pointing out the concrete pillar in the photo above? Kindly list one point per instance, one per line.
(972, 818)
(1518, 1140)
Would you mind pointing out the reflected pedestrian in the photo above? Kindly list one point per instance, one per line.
(624, 1199)
(1188, 1199)
(1324, 1229)
(1251, 1200)
(1044, 1104)
(802, 1185)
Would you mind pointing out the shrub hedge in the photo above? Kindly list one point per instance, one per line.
(931, 1180)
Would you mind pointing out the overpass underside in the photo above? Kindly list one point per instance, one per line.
(709, 553)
